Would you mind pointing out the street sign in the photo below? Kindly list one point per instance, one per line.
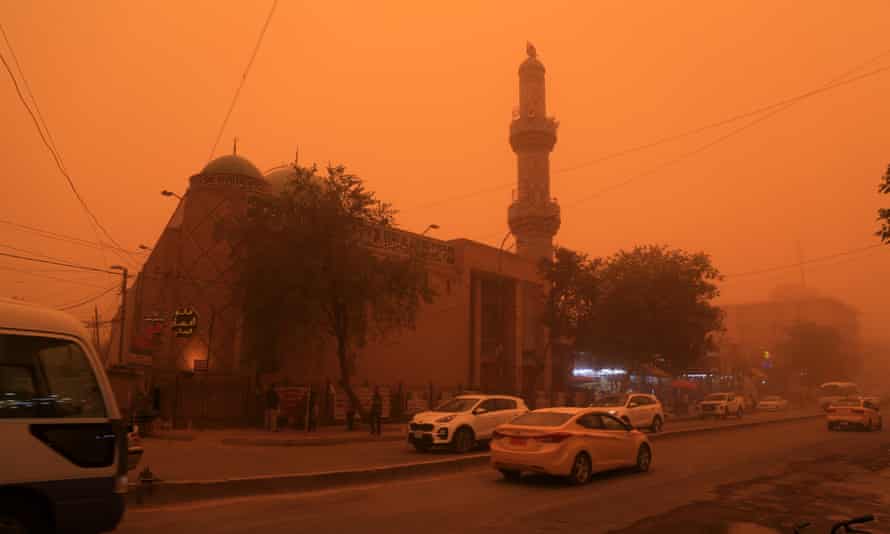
(185, 322)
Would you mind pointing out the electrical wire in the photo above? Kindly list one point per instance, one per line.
(59, 263)
(834, 83)
(849, 252)
(56, 157)
(87, 300)
(50, 277)
(62, 237)
(256, 50)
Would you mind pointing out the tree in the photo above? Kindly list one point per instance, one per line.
(306, 268)
(884, 213)
(570, 306)
(657, 301)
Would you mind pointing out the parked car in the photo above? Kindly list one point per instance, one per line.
(722, 405)
(463, 421)
(64, 463)
(773, 403)
(639, 410)
(854, 412)
(569, 442)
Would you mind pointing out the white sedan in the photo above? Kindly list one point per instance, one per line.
(772, 403)
(569, 442)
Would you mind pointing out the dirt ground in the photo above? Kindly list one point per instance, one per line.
(821, 491)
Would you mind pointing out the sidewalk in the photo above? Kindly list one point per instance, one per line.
(333, 435)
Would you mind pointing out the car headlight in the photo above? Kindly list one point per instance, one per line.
(446, 419)
(613, 412)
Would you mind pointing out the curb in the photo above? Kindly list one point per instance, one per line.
(307, 442)
(734, 426)
(162, 492)
(178, 491)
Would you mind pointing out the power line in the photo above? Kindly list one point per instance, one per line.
(63, 237)
(837, 81)
(88, 300)
(59, 263)
(256, 49)
(50, 277)
(56, 157)
(807, 262)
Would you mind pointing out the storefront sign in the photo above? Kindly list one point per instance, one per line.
(148, 338)
(400, 241)
(185, 322)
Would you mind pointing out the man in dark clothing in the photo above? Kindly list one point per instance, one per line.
(376, 412)
(272, 403)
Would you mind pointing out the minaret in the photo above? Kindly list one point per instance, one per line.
(533, 216)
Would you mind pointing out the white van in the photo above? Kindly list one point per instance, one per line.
(830, 392)
(63, 446)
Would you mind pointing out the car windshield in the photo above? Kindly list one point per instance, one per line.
(542, 419)
(849, 402)
(611, 400)
(462, 404)
(771, 398)
(716, 397)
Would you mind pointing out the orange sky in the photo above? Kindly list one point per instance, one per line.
(416, 98)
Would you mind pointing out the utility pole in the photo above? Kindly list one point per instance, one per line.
(123, 314)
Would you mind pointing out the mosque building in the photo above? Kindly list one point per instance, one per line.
(484, 331)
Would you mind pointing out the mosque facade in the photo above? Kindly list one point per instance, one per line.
(484, 331)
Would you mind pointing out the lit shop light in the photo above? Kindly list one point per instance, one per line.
(598, 372)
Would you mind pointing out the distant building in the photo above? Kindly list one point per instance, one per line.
(483, 332)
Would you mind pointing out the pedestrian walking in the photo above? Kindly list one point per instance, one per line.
(272, 409)
(376, 412)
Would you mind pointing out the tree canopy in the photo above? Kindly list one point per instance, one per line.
(637, 305)
(306, 269)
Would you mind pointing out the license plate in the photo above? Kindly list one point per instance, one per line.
(517, 441)
(418, 434)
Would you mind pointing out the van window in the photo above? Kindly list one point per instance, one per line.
(46, 377)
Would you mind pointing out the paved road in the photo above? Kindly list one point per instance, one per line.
(206, 459)
(697, 468)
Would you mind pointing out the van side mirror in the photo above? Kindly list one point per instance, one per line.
(479, 411)
(632, 405)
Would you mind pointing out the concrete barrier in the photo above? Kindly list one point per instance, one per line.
(177, 491)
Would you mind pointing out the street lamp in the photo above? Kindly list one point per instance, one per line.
(123, 322)
(145, 247)
(430, 227)
(170, 194)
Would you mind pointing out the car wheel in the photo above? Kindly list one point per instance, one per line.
(644, 458)
(830, 427)
(739, 413)
(656, 425)
(511, 475)
(581, 470)
(869, 426)
(463, 440)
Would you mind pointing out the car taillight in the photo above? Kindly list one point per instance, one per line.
(554, 438)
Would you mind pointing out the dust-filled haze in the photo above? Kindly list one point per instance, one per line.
(416, 97)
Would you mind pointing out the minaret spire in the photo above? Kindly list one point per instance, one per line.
(534, 216)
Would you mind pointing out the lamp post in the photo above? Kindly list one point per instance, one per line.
(124, 274)
(145, 248)
(170, 194)
(430, 227)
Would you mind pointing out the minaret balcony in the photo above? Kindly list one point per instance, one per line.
(533, 133)
(534, 217)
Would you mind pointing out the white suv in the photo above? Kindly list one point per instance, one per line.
(463, 421)
(722, 405)
(639, 410)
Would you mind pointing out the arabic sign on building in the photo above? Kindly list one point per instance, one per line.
(400, 241)
(185, 321)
